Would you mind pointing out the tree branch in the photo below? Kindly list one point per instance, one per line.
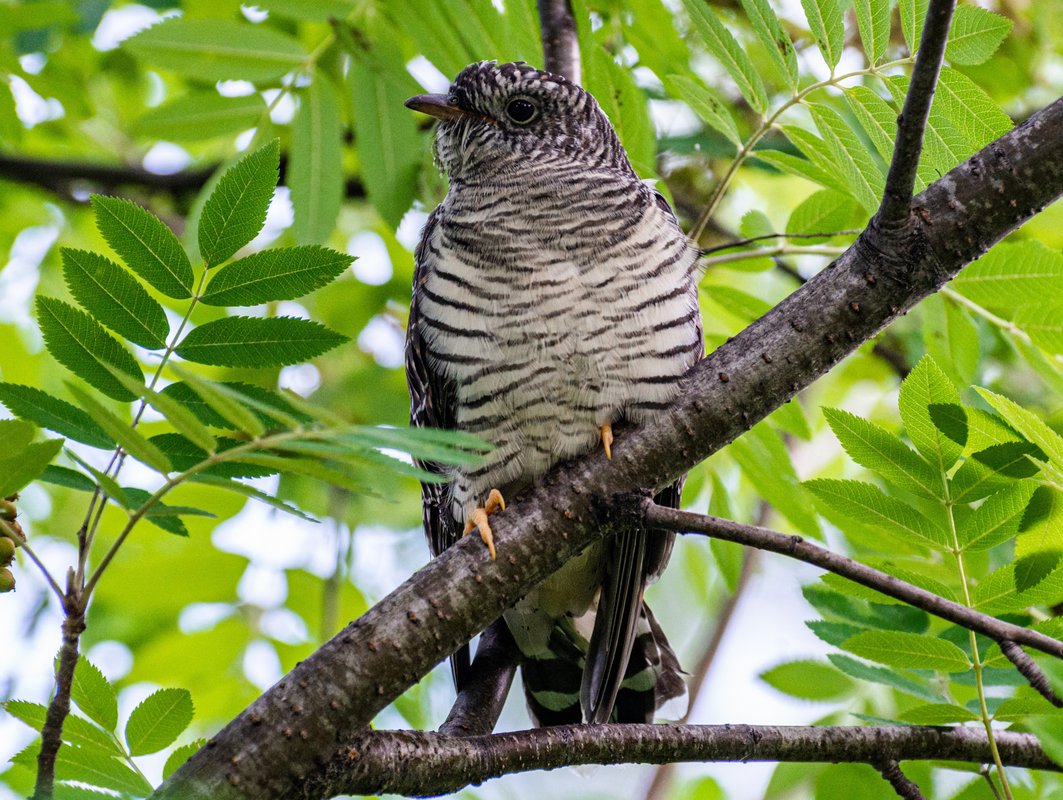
(911, 124)
(420, 763)
(282, 738)
(797, 548)
(59, 708)
(1028, 668)
(560, 40)
(900, 782)
(478, 705)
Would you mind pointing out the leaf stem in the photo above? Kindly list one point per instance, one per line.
(766, 125)
(779, 250)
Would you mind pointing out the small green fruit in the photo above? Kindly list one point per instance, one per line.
(7, 581)
(8, 510)
(7, 551)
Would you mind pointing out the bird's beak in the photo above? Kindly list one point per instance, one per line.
(438, 105)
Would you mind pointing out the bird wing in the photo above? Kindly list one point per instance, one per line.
(634, 557)
(433, 404)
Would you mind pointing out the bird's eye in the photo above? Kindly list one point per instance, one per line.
(521, 111)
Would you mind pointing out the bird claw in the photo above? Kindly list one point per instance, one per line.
(607, 439)
(478, 519)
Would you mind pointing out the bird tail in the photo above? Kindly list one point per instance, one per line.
(653, 678)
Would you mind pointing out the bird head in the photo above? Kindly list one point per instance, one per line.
(501, 118)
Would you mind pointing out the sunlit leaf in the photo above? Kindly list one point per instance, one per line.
(873, 20)
(158, 720)
(908, 650)
(1012, 275)
(927, 385)
(721, 43)
(913, 14)
(997, 519)
(122, 432)
(828, 28)
(776, 42)
(94, 695)
(871, 506)
(202, 115)
(20, 466)
(314, 175)
(938, 714)
(808, 680)
(975, 34)
(706, 104)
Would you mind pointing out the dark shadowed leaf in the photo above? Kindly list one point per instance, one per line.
(1031, 569)
(125, 434)
(57, 415)
(951, 420)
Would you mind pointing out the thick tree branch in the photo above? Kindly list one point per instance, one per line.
(59, 708)
(560, 40)
(283, 737)
(478, 705)
(417, 763)
(797, 548)
(900, 179)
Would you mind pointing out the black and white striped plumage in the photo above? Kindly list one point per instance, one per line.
(554, 293)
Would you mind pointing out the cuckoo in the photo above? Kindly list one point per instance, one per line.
(554, 297)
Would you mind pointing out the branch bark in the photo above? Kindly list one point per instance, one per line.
(900, 782)
(59, 708)
(421, 763)
(797, 548)
(283, 737)
(479, 704)
(560, 40)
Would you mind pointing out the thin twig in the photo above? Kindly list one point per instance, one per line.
(752, 239)
(900, 782)
(797, 548)
(900, 180)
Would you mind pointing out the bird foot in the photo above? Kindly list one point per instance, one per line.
(478, 519)
(607, 440)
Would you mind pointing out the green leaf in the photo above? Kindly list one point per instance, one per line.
(1028, 424)
(158, 721)
(252, 493)
(951, 420)
(202, 115)
(802, 167)
(808, 680)
(22, 466)
(706, 103)
(862, 173)
(887, 677)
(1048, 728)
(76, 731)
(146, 246)
(314, 174)
(971, 111)
(122, 432)
(257, 342)
(825, 211)
(913, 14)
(176, 414)
(57, 415)
(1032, 569)
(908, 650)
(1013, 275)
(106, 483)
(725, 49)
(755, 223)
(114, 298)
(97, 769)
(218, 49)
(925, 385)
(626, 106)
(71, 479)
(876, 116)
(985, 471)
(951, 338)
(81, 345)
(776, 42)
(389, 144)
(236, 209)
(765, 462)
(184, 456)
(938, 714)
(869, 505)
(997, 519)
(222, 403)
(828, 28)
(279, 274)
(94, 695)
(821, 155)
(873, 20)
(15, 435)
(1044, 323)
(179, 756)
(877, 449)
(975, 34)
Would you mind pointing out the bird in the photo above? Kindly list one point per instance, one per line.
(554, 297)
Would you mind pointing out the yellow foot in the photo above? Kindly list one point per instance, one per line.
(607, 440)
(478, 519)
